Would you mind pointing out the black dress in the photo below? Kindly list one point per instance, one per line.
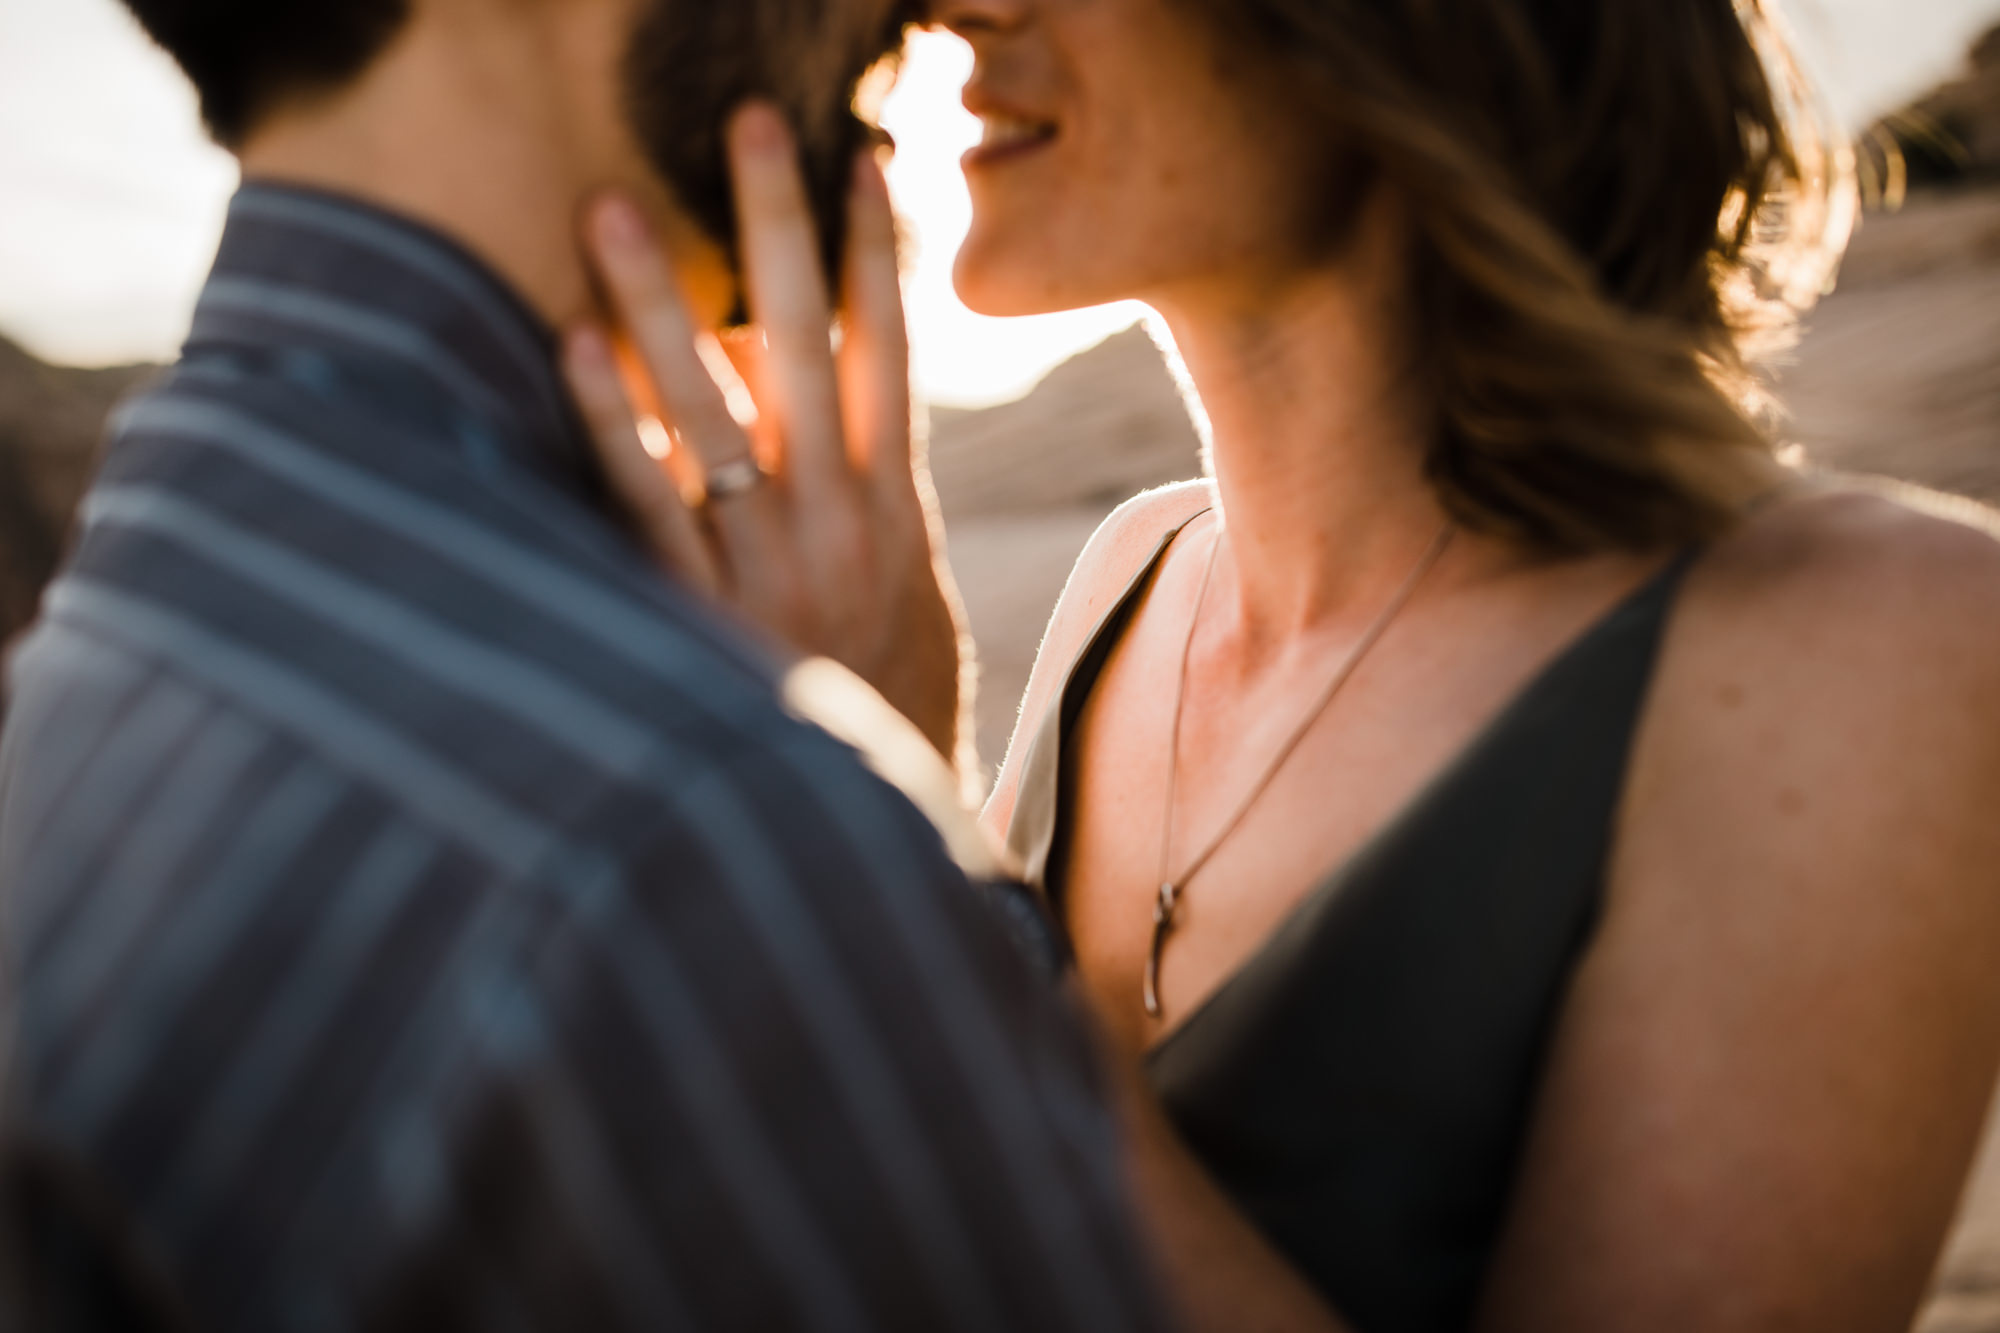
(1363, 1086)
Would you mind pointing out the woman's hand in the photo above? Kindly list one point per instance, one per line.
(789, 495)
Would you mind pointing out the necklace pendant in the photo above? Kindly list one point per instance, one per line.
(1164, 911)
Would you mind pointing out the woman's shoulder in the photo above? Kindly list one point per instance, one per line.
(1844, 558)
(1833, 671)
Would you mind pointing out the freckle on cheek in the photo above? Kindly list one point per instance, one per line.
(1791, 802)
(1730, 696)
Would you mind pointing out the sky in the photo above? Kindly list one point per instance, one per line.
(111, 199)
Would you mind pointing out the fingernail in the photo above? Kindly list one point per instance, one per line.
(760, 128)
(619, 222)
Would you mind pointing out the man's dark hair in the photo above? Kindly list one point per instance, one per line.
(690, 65)
(245, 56)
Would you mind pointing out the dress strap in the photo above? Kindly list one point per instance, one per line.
(1037, 818)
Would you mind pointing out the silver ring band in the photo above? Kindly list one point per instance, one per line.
(739, 477)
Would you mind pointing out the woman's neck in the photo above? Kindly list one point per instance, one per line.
(1318, 439)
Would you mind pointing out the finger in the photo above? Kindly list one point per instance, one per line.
(744, 348)
(647, 297)
(682, 467)
(875, 344)
(637, 476)
(788, 299)
(744, 529)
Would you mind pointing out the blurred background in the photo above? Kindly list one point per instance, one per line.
(111, 202)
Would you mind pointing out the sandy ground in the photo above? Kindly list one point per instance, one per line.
(1967, 1298)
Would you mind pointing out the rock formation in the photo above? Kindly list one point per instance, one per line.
(1948, 137)
(1099, 429)
(50, 423)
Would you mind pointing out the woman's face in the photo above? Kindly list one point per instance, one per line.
(1127, 155)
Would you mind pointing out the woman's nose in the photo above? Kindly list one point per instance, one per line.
(971, 18)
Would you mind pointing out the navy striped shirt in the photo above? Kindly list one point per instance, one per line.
(420, 915)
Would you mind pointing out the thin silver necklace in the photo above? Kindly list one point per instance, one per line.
(1166, 908)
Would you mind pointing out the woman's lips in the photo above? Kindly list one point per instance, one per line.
(1009, 138)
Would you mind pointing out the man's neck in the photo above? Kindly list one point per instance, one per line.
(493, 132)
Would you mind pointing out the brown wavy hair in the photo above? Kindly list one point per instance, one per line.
(1620, 207)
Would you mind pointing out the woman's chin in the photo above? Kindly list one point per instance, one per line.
(1003, 305)
(1010, 289)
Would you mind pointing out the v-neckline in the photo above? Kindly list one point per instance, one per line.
(1047, 757)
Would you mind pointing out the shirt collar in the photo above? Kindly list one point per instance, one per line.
(301, 269)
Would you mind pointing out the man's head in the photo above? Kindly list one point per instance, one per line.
(688, 63)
